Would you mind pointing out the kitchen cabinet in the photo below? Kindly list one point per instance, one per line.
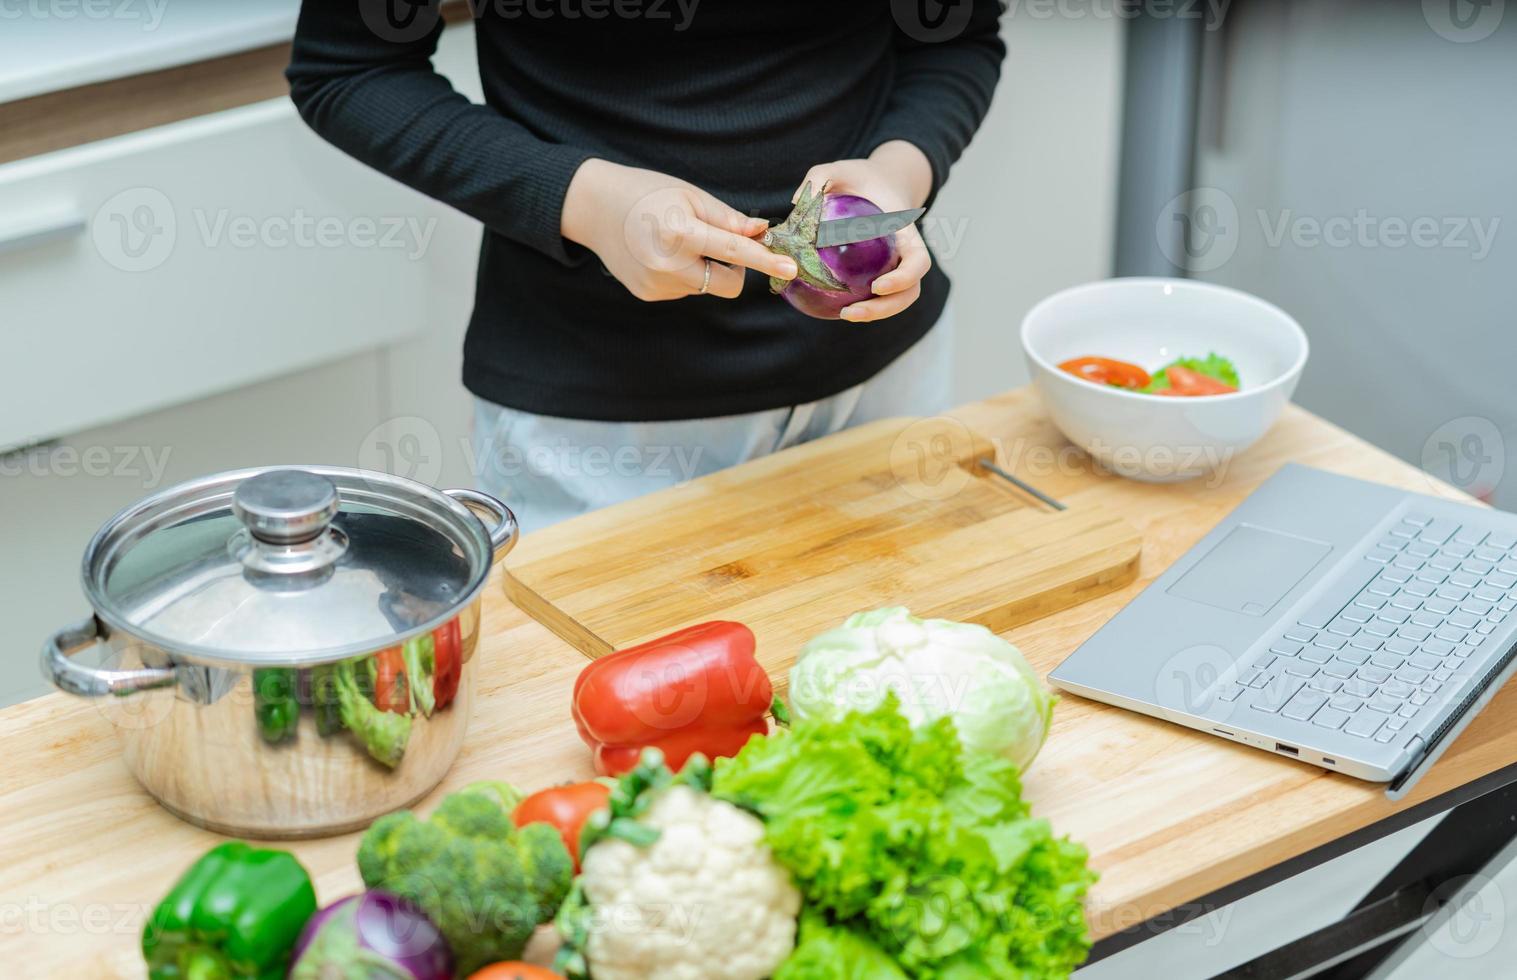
(136, 358)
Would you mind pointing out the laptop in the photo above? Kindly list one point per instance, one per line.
(1346, 624)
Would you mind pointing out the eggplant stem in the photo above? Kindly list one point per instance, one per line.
(796, 237)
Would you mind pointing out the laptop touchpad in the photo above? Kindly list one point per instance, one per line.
(1250, 570)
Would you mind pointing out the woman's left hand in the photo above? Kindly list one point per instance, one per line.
(896, 176)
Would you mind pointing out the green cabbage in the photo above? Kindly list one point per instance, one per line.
(936, 668)
(913, 858)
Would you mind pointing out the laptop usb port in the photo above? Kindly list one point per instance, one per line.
(1287, 749)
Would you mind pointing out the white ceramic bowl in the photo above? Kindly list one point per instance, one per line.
(1150, 322)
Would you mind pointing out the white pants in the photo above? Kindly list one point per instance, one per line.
(548, 469)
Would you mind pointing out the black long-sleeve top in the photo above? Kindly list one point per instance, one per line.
(739, 97)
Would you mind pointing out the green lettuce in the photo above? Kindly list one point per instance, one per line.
(902, 843)
(1213, 365)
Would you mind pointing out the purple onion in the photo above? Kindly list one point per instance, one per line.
(377, 930)
(830, 278)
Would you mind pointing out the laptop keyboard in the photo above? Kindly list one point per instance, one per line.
(1391, 638)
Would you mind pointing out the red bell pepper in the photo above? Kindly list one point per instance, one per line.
(447, 652)
(697, 690)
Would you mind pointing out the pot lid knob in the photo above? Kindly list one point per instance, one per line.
(285, 506)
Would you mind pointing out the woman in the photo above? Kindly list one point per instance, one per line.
(629, 151)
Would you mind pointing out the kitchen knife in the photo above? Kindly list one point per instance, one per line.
(861, 228)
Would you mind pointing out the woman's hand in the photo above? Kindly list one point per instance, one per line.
(656, 233)
(896, 176)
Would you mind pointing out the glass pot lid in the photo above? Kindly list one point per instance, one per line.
(286, 565)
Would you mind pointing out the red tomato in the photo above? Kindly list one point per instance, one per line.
(1188, 383)
(566, 808)
(1107, 371)
(390, 682)
(515, 970)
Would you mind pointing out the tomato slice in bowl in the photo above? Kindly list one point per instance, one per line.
(1187, 383)
(1107, 371)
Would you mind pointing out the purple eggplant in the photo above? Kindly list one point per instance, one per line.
(371, 936)
(829, 278)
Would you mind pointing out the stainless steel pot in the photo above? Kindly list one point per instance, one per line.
(248, 627)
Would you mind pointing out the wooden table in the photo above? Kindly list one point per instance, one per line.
(1170, 815)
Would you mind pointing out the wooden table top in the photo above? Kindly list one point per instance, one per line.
(1169, 814)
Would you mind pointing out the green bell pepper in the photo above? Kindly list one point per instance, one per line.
(324, 700)
(275, 703)
(235, 913)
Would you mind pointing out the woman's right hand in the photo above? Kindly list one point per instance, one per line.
(655, 233)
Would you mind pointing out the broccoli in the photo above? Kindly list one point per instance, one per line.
(384, 734)
(485, 884)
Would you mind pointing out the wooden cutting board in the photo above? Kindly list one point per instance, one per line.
(896, 512)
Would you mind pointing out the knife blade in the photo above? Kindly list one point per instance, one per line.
(863, 227)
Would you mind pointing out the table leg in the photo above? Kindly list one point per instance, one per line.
(1476, 839)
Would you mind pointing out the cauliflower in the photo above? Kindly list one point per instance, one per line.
(685, 890)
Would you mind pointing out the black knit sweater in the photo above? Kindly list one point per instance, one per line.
(739, 97)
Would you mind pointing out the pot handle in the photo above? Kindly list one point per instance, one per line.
(58, 666)
(504, 534)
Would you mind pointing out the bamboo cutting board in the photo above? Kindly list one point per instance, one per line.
(896, 512)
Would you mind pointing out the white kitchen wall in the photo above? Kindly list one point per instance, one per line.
(1035, 194)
